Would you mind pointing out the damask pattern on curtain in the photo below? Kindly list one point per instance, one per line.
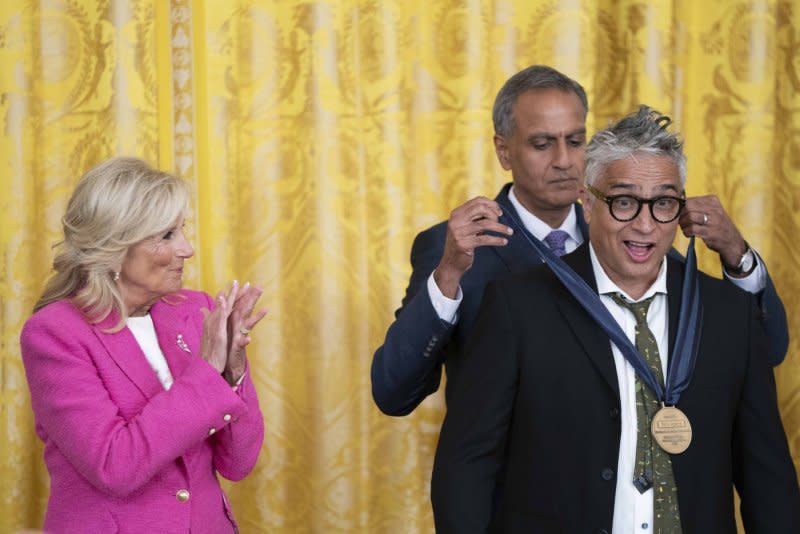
(320, 136)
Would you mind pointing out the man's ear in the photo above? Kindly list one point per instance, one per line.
(501, 149)
(587, 202)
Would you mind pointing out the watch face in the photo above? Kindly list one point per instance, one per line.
(746, 264)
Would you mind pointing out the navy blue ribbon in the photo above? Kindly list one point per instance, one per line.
(687, 339)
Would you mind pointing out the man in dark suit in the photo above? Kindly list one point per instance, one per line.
(547, 405)
(539, 119)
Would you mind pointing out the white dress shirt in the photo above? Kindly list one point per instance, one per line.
(539, 229)
(633, 511)
(144, 331)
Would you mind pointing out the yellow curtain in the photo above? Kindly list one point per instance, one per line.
(320, 136)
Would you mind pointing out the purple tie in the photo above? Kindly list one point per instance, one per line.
(555, 240)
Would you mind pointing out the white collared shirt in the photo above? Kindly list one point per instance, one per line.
(539, 229)
(447, 308)
(144, 331)
(633, 511)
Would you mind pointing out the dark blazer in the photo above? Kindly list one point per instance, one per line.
(537, 407)
(408, 366)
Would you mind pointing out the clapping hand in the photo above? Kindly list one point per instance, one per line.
(241, 320)
(226, 330)
(214, 342)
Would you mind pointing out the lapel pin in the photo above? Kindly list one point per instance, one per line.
(182, 344)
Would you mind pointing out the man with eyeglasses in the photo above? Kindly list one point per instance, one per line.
(626, 207)
(539, 120)
(617, 390)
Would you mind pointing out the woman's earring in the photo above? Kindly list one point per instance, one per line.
(116, 276)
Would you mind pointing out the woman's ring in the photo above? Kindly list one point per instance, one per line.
(705, 219)
(244, 331)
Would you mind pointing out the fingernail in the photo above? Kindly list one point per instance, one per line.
(247, 284)
(510, 230)
(236, 282)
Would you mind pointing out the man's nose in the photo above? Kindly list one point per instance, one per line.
(563, 158)
(644, 221)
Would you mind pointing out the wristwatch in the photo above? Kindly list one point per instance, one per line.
(746, 263)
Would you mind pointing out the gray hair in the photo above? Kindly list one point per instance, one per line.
(642, 132)
(115, 205)
(529, 79)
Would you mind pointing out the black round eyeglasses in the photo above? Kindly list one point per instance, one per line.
(626, 208)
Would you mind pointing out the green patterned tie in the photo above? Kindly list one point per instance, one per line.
(653, 465)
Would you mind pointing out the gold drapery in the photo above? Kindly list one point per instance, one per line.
(320, 136)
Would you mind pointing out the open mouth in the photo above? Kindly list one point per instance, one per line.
(639, 251)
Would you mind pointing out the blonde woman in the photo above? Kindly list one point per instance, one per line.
(140, 388)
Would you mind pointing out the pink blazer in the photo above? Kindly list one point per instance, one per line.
(123, 454)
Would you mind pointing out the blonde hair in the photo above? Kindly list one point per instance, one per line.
(115, 205)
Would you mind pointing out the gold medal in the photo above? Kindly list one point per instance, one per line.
(671, 429)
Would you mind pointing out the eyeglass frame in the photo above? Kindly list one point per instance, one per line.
(609, 199)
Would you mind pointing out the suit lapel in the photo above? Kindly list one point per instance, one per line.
(173, 339)
(173, 336)
(592, 338)
(123, 348)
(674, 290)
(517, 255)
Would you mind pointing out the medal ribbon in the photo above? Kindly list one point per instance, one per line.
(687, 339)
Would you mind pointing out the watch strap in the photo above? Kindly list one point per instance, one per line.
(747, 263)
